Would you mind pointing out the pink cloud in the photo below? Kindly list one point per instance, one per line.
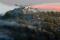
(49, 7)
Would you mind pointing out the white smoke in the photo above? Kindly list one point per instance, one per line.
(4, 8)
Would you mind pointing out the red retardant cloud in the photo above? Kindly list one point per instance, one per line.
(47, 7)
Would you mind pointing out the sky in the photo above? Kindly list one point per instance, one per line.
(6, 5)
(13, 2)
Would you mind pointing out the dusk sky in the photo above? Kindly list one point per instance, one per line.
(12, 2)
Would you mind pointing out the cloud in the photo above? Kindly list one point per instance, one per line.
(50, 6)
(4, 8)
